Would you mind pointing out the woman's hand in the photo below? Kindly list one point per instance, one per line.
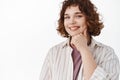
(80, 40)
(89, 64)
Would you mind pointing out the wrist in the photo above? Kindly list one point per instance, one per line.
(84, 51)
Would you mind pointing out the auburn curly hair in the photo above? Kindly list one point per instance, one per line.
(94, 24)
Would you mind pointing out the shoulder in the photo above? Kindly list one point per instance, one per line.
(100, 46)
(61, 44)
(56, 51)
(103, 50)
(104, 47)
(103, 53)
(58, 47)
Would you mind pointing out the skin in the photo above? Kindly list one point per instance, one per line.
(75, 25)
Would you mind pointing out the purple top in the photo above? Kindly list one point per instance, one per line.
(76, 62)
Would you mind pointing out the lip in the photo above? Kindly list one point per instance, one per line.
(74, 28)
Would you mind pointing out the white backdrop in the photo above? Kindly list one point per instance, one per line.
(28, 30)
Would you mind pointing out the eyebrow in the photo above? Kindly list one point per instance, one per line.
(78, 12)
(75, 13)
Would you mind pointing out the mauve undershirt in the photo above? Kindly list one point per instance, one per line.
(76, 62)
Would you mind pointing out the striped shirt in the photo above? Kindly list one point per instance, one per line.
(58, 64)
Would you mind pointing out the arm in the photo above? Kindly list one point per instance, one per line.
(89, 64)
(46, 69)
(108, 69)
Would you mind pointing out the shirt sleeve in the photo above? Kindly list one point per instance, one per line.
(46, 73)
(108, 69)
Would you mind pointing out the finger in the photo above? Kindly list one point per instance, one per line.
(85, 33)
(72, 43)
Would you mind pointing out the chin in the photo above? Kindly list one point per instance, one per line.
(73, 34)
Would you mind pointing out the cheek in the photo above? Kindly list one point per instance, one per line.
(65, 23)
(83, 28)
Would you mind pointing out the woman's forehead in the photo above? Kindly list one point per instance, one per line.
(72, 9)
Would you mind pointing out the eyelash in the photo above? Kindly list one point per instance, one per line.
(66, 17)
(77, 16)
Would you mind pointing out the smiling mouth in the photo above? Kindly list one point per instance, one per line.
(74, 28)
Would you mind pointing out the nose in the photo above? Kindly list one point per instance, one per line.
(72, 20)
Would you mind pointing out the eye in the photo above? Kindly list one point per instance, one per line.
(78, 16)
(66, 17)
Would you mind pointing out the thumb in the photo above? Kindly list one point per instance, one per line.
(85, 33)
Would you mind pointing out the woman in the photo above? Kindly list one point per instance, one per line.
(80, 57)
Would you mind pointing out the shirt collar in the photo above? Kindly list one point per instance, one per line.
(93, 43)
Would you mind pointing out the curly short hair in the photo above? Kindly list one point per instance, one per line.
(94, 24)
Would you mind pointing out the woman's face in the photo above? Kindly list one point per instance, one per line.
(74, 21)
